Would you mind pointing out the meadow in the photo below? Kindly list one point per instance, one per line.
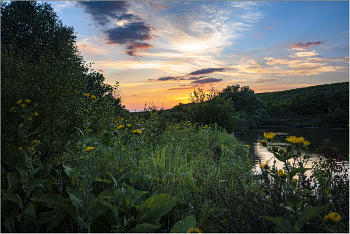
(136, 174)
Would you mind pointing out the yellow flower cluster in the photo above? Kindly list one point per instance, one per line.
(36, 141)
(281, 173)
(335, 217)
(269, 135)
(88, 95)
(296, 140)
(194, 230)
(294, 180)
(129, 125)
(263, 165)
(137, 131)
(89, 148)
(120, 127)
(12, 109)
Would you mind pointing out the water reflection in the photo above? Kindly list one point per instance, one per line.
(339, 139)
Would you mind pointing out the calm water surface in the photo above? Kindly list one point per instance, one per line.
(339, 139)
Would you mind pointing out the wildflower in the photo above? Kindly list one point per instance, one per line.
(31, 148)
(35, 104)
(194, 230)
(21, 125)
(86, 94)
(23, 105)
(12, 109)
(120, 127)
(89, 148)
(294, 139)
(306, 143)
(129, 125)
(294, 180)
(19, 101)
(335, 217)
(269, 135)
(246, 145)
(20, 148)
(36, 141)
(36, 113)
(263, 165)
(94, 97)
(137, 131)
(27, 101)
(30, 119)
(263, 142)
(281, 173)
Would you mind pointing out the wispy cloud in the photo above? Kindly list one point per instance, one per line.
(307, 45)
(207, 71)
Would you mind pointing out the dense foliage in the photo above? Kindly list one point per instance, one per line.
(316, 106)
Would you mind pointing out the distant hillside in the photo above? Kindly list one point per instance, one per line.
(315, 106)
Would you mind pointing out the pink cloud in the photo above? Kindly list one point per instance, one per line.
(101, 71)
(268, 28)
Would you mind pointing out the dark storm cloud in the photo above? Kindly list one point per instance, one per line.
(206, 71)
(129, 33)
(206, 81)
(132, 48)
(306, 45)
(101, 11)
(132, 33)
(168, 78)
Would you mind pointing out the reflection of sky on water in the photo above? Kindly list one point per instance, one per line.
(261, 153)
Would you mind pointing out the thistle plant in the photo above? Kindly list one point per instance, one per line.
(292, 190)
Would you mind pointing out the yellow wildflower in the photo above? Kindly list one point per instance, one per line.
(36, 113)
(335, 217)
(263, 165)
(246, 145)
(23, 105)
(31, 148)
(137, 131)
(21, 125)
(86, 94)
(30, 119)
(27, 101)
(36, 141)
(19, 101)
(281, 173)
(294, 180)
(35, 104)
(129, 125)
(120, 127)
(269, 135)
(94, 97)
(20, 148)
(293, 139)
(194, 230)
(89, 148)
(306, 142)
(12, 109)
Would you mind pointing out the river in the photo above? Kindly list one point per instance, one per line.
(339, 138)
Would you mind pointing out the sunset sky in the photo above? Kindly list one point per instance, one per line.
(161, 51)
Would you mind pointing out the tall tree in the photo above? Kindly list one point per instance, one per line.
(39, 62)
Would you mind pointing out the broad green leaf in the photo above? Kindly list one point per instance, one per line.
(183, 226)
(12, 179)
(34, 132)
(111, 207)
(106, 194)
(32, 173)
(9, 222)
(57, 200)
(15, 198)
(277, 177)
(13, 149)
(143, 228)
(293, 199)
(30, 210)
(308, 214)
(37, 162)
(282, 223)
(22, 173)
(21, 133)
(98, 179)
(96, 211)
(115, 181)
(32, 185)
(91, 204)
(52, 218)
(87, 140)
(292, 173)
(77, 193)
(24, 144)
(155, 207)
(71, 172)
(73, 152)
(305, 191)
(93, 177)
(76, 202)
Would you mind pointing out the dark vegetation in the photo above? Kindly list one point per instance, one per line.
(73, 160)
(316, 106)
